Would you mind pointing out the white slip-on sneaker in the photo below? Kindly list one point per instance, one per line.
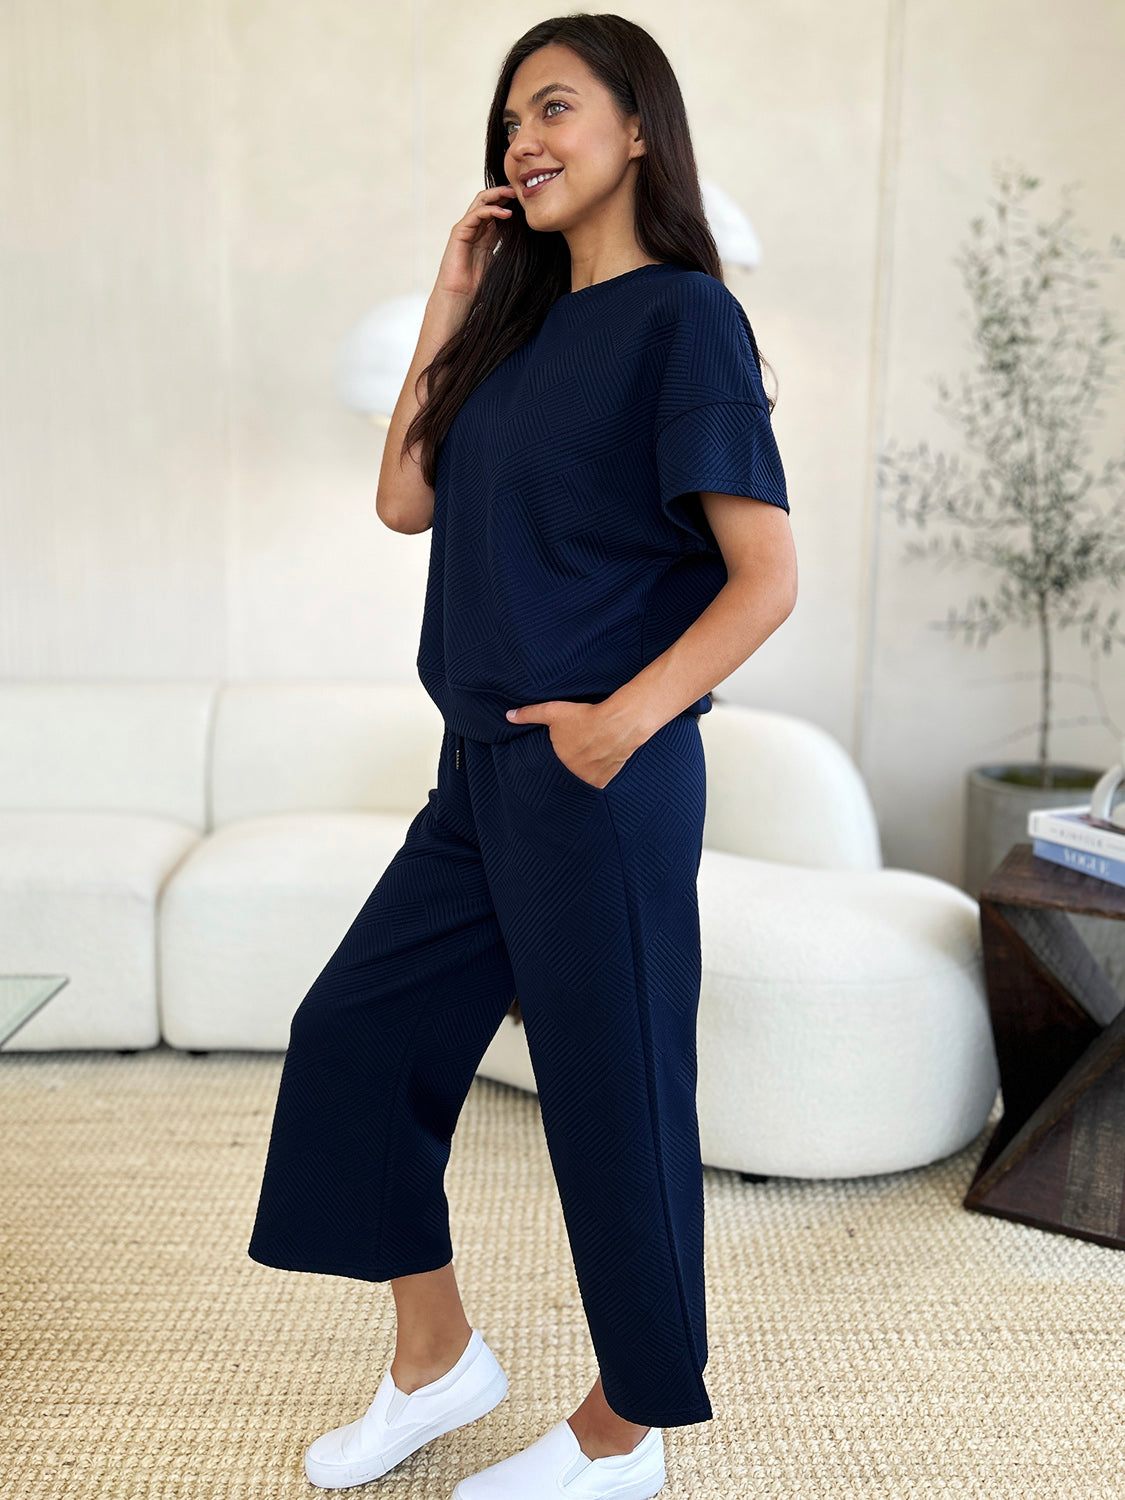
(397, 1423)
(555, 1466)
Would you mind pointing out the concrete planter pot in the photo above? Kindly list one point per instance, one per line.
(998, 799)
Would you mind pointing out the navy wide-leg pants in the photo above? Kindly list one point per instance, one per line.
(519, 878)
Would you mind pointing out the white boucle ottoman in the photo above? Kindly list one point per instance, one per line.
(843, 1024)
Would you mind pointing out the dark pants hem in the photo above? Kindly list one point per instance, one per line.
(357, 1271)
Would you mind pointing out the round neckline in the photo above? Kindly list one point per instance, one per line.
(648, 265)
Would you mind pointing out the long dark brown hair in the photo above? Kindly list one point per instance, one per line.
(531, 268)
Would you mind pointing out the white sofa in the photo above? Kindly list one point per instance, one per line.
(190, 854)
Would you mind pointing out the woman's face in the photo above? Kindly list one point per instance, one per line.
(559, 118)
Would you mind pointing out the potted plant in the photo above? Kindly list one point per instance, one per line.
(1030, 512)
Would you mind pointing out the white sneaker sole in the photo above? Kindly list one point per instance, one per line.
(328, 1476)
(643, 1489)
(637, 1489)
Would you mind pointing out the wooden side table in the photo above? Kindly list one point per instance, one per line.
(1057, 1158)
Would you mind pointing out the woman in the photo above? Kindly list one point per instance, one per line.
(592, 429)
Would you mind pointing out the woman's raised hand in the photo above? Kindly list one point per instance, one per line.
(471, 242)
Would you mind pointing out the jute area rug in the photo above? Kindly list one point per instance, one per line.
(868, 1337)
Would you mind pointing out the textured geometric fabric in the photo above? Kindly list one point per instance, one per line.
(569, 546)
(519, 877)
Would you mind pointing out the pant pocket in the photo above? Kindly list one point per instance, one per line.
(572, 776)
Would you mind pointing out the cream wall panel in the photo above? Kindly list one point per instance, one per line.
(793, 129)
(1020, 80)
(317, 139)
(112, 308)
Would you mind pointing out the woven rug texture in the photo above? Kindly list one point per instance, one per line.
(868, 1336)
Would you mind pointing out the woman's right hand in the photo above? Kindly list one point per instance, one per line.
(471, 242)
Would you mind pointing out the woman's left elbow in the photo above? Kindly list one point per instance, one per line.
(782, 590)
(789, 598)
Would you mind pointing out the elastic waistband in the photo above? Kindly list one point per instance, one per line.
(453, 731)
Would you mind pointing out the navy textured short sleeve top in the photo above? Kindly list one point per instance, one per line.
(569, 544)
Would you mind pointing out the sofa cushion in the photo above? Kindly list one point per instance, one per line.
(296, 747)
(254, 914)
(78, 896)
(784, 789)
(121, 747)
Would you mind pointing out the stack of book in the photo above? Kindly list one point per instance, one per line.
(1070, 836)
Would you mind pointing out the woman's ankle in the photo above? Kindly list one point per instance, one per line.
(418, 1361)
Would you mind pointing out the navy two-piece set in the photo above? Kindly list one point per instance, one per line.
(569, 549)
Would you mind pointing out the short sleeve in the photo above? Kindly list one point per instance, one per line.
(713, 429)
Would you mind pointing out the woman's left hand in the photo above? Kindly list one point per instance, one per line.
(580, 737)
